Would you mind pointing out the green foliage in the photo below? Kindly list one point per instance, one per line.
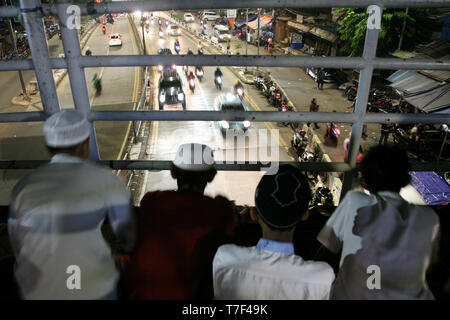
(354, 25)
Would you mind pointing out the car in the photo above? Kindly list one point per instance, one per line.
(114, 40)
(230, 101)
(167, 67)
(329, 77)
(170, 89)
(210, 16)
(174, 30)
(188, 17)
(222, 33)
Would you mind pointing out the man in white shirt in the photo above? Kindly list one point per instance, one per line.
(56, 215)
(386, 243)
(271, 270)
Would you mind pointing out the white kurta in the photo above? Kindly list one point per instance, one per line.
(269, 272)
(55, 220)
(398, 243)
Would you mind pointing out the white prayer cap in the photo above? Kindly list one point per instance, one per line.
(66, 128)
(194, 157)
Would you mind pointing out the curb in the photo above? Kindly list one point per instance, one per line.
(85, 37)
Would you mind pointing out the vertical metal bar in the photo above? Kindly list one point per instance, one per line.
(32, 18)
(403, 31)
(14, 44)
(365, 79)
(72, 52)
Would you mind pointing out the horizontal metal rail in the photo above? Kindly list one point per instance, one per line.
(255, 116)
(228, 166)
(166, 5)
(236, 60)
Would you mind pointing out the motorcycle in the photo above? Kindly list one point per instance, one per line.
(177, 48)
(239, 91)
(192, 84)
(59, 35)
(276, 98)
(333, 133)
(308, 156)
(299, 142)
(285, 108)
(322, 198)
(185, 69)
(270, 87)
(199, 73)
(200, 51)
(104, 30)
(218, 82)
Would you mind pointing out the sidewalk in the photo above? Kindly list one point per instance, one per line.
(34, 103)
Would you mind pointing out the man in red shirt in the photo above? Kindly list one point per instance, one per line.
(179, 232)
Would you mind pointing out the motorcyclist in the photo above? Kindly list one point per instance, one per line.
(97, 82)
(88, 52)
(238, 85)
(218, 73)
(330, 126)
(177, 45)
(104, 29)
(190, 76)
(190, 51)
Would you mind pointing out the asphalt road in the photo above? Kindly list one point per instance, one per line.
(166, 137)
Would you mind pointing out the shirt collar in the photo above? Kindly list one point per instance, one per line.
(64, 158)
(390, 195)
(275, 246)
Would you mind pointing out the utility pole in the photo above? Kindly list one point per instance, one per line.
(246, 35)
(259, 12)
(13, 42)
(403, 31)
(143, 37)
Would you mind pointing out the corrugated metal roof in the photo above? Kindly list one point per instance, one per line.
(432, 100)
(415, 83)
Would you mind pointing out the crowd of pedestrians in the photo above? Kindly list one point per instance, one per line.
(177, 244)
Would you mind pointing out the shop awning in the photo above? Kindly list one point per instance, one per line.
(414, 83)
(318, 32)
(400, 75)
(263, 21)
(432, 100)
(242, 21)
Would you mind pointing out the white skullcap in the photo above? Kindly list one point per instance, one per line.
(66, 128)
(194, 157)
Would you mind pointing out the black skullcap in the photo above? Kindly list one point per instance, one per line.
(282, 199)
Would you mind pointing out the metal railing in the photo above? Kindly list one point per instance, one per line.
(32, 12)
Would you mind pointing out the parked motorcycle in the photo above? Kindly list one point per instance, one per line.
(309, 156)
(299, 142)
(322, 198)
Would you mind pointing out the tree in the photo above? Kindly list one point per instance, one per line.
(354, 25)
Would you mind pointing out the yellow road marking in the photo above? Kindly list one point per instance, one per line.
(135, 88)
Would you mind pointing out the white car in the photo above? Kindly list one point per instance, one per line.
(188, 17)
(174, 30)
(115, 40)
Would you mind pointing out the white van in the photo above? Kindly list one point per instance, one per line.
(222, 33)
(210, 15)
